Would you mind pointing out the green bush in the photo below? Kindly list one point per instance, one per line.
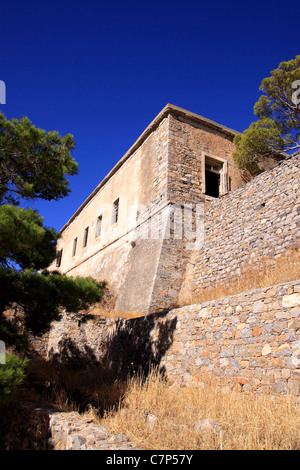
(11, 375)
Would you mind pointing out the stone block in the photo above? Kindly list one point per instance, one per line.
(292, 300)
(279, 387)
(266, 350)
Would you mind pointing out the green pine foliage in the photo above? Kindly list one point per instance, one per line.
(40, 298)
(11, 376)
(278, 112)
(32, 245)
(34, 164)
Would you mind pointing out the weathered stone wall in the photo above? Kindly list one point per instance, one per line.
(163, 168)
(140, 182)
(72, 431)
(251, 339)
(255, 222)
(188, 141)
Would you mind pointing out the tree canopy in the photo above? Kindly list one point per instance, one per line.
(32, 245)
(278, 112)
(34, 164)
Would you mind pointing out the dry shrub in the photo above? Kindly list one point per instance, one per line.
(248, 422)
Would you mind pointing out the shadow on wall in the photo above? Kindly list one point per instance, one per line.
(77, 376)
(131, 346)
(139, 344)
(73, 356)
(72, 378)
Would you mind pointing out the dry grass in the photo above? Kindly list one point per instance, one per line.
(248, 422)
(98, 310)
(72, 389)
(270, 272)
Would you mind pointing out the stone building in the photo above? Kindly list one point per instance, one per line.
(145, 221)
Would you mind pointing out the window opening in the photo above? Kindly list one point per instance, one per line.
(59, 258)
(99, 226)
(115, 213)
(215, 177)
(85, 238)
(74, 246)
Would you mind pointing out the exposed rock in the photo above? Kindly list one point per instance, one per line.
(208, 425)
(71, 431)
(151, 420)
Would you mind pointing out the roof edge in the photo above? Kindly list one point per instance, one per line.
(168, 109)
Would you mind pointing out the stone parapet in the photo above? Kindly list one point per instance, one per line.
(249, 230)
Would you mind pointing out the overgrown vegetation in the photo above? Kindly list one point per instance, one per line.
(157, 414)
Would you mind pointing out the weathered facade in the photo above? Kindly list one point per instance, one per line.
(146, 220)
(173, 220)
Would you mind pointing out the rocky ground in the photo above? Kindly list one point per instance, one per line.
(71, 431)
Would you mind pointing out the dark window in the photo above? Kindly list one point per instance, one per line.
(59, 258)
(74, 246)
(213, 170)
(85, 237)
(212, 183)
(115, 214)
(99, 226)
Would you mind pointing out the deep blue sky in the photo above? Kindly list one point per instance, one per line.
(102, 70)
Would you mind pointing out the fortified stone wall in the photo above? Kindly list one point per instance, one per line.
(189, 142)
(256, 223)
(138, 182)
(139, 255)
(163, 177)
(250, 339)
